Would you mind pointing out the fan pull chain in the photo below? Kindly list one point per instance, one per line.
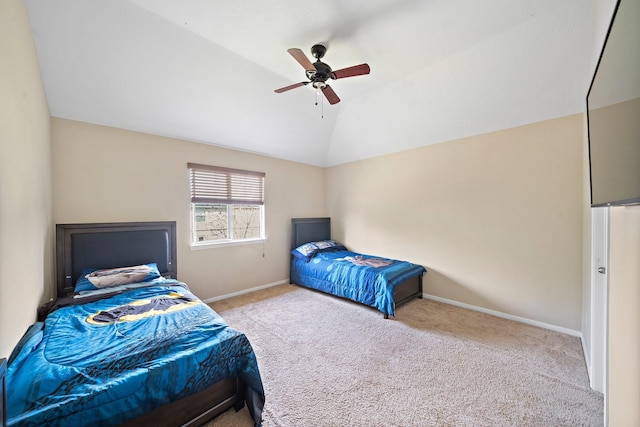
(321, 103)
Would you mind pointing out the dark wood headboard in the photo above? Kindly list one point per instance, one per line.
(111, 245)
(305, 230)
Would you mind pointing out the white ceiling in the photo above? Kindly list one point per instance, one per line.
(206, 70)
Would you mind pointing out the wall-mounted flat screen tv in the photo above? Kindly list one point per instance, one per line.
(613, 112)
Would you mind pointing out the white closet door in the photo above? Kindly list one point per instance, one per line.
(599, 296)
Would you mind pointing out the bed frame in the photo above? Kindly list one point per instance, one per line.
(109, 245)
(305, 230)
(3, 392)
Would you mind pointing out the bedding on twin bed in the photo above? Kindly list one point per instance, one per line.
(106, 361)
(329, 267)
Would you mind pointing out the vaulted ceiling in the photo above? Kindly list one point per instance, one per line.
(206, 70)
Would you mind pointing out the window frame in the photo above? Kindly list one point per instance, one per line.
(214, 185)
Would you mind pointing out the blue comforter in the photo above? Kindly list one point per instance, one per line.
(106, 362)
(363, 278)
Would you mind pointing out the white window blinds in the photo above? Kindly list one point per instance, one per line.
(213, 184)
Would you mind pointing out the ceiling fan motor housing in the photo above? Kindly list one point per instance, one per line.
(321, 73)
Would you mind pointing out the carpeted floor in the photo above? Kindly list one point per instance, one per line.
(330, 362)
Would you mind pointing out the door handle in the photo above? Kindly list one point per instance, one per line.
(602, 270)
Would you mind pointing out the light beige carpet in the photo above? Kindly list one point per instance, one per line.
(326, 361)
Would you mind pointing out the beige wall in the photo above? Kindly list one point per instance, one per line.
(112, 175)
(624, 316)
(495, 218)
(25, 175)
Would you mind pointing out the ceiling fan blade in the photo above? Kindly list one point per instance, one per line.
(356, 70)
(293, 86)
(302, 59)
(330, 95)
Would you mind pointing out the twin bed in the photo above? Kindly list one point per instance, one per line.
(323, 264)
(137, 349)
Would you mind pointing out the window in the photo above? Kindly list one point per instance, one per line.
(227, 205)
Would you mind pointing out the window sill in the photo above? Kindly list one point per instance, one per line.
(226, 243)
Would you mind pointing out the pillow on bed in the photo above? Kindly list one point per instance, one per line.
(309, 250)
(98, 279)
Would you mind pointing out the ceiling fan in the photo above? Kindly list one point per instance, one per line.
(318, 72)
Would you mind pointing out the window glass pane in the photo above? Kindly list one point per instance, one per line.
(210, 222)
(246, 221)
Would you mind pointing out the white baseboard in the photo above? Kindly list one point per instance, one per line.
(587, 361)
(434, 298)
(506, 316)
(245, 291)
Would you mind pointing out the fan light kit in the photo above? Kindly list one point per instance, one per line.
(318, 72)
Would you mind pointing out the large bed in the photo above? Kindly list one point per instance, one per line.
(143, 352)
(321, 263)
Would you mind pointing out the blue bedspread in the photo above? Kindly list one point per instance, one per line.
(347, 274)
(106, 362)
